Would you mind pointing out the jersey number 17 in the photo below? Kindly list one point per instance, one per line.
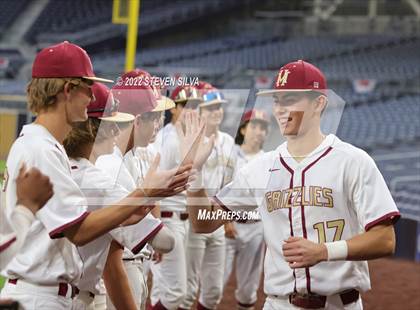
(320, 228)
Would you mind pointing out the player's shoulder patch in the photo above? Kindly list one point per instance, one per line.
(5, 180)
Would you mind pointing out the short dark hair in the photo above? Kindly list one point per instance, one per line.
(239, 138)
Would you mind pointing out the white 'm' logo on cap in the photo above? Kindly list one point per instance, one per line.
(282, 77)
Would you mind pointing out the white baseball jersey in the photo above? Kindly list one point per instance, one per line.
(242, 159)
(7, 233)
(114, 165)
(167, 144)
(335, 193)
(206, 252)
(101, 192)
(246, 232)
(11, 239)
(138, 161)
(45, 257)
(220, 165)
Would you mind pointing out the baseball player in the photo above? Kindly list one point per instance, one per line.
(324, 205)
(87, 141)
(170, 275)
(29, 201)
(244, 238)
(206, 252)
(134, 100)
(44, 272)
(139, 159)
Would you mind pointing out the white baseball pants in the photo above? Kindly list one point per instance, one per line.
(170, 275)
(205, 268)
(35, 297)
(248, 248)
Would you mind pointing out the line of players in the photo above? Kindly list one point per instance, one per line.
(111, 203)
(108, 160)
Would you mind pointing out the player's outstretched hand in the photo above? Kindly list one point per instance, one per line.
(194, 148)
(300, 252)
(159, 184)
(33, 189)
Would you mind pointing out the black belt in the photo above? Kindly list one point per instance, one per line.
(242, 221)
(132, 259)
(315, 301)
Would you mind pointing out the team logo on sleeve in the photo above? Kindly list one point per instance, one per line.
(5, 180)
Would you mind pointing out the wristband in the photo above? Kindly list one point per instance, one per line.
(337, 250)
(197, 184)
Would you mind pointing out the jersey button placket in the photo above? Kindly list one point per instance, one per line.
(298, 230)
(297, 218)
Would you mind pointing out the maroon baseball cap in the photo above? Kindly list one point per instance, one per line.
(64, 60)
(105, 107)
(186, 93)
(254, 114)
(136, 92)
(298, 76)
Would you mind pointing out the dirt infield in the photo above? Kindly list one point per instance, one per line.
(395, 286)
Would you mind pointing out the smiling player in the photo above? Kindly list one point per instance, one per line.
(324, 205)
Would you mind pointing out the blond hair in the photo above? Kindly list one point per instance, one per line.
(42, 92)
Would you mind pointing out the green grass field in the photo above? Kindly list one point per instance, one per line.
(2, 165)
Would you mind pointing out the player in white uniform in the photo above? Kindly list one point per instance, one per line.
(170, 275)
(84, 144)
(29, 201)
(44, 272)
(244, 238)
(140, 157)
(206, 252)
(324, 204)
(121, 167)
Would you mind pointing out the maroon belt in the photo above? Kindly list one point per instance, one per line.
(315, 301)
(182, 216)
(62, 288)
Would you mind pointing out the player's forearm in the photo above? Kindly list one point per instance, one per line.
(21, 220)
(378, 242)
(199, 203)
(116, 280)
(103, 220)
(156, 210)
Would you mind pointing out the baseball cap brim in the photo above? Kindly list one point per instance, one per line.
(118, 117)
(164, 104)
(97, 79)
(209, 103)
(274, 91)
(191, 101)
